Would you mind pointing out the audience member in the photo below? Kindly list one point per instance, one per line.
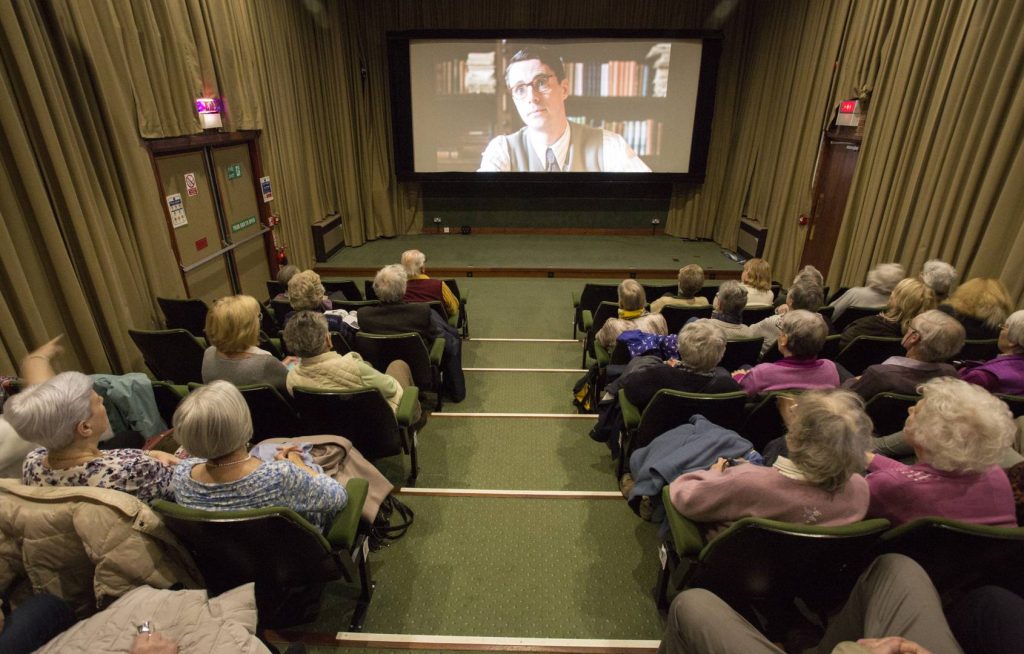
(817, 484)
(33, 623)
(689, 281)
(958, 432)
(982, 304)
(909, 298)
(939, 276)
(701, 346)
(420, 288)
(893, 609)
(728, 309)
(931, 339)
(213, 422)
(1005, 373)
(757, 279)
(233, 330)
(802, 335)
(306, 293)
(632, 315)
(395, 316)
(284, 275)
(803, 294)
(64, 415)
(880, 283)
(320, 367)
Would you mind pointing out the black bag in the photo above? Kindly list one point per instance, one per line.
(584, 392)
(382, 531)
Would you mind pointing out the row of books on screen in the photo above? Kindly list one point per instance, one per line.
(470, 76)
(466, 147)
(644, 136)
(617, 79)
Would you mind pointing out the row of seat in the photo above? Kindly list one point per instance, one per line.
(764, 564)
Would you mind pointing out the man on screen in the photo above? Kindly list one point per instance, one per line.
(549, 142)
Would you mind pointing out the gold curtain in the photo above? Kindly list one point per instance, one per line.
(80, 256)
(940, 172)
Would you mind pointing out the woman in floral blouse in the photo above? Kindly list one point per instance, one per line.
(64, 415)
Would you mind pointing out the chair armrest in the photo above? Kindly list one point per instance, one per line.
(453, 320)
(630, 412)
(685, 536)
(406, 407)
(575, 299)
(436, 350)
(602, 355)
(202, 341)
(345, 526)
(587, 319)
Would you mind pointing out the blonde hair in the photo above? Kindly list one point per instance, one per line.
(233, 324)
(910, 298)
(305, 292)
(984, 298)
(758, 273)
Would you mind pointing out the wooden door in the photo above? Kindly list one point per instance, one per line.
(197, 233)
(835, 173)
(240, 208)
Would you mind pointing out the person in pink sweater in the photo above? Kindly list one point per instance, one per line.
(801, 338)
(959, 432)
(817, 484)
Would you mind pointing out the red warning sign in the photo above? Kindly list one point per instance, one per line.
(190, 185)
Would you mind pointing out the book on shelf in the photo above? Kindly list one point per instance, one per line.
(473, 75)
(644, 136)
(614, 79)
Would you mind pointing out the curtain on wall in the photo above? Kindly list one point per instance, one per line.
(79, 258)
(941, 172)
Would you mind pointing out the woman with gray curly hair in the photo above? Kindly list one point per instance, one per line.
(802, 334)
(817, 484)
(880, 282)
(959, 433)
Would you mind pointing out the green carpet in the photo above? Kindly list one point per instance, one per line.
(513, 567)
(517, 392)
(522, 454)
(490, 354)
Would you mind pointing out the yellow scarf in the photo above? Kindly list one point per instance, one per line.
(630, 315)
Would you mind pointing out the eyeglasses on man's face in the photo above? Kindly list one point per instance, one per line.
(541, 84)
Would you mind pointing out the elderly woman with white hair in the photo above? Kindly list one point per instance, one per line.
(939, 276)
(818, 483)
(421, 288)
(214, 424)
(64, 415)
(880, 282)
(701, 346)
(306, 293)
(1005, 373)
(632, 315)
(958, 432)
(802, 334)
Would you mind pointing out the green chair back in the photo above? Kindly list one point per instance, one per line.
(189, 315)
(755, 314)
(888, 411)
(591, 296)
(173, 355)
(601, 314)
(741, 352)
(363, 416)
(763, 422)
(379, 350)
(167, 397)
(272, 414)
(854, 313)
(978, 350)
(1015, 402)
(676, 317)
(866, 351)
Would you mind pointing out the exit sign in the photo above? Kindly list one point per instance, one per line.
(242, 224)
(234, 171)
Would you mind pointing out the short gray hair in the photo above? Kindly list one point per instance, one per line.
(1015, 329)
(828, 437)
(631, 295)
(805, 294)
(732, 298)
(305, 291)
(959, 426)
(884, 277)
(690, 280)
(213, 420)
(305, 334)
(942, 335)
(701, 345)
(285, 274)
(390, 282)
(413, 262)
(805, 333)
(938, 276)
(48, 413)
(810, 273)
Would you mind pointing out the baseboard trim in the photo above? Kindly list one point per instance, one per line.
(521, 494)
(461, 643)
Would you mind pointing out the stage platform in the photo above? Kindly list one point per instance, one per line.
(538, 255)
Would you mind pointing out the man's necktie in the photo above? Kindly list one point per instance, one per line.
(552, 162)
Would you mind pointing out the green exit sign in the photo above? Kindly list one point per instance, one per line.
(242, 224)
(234, 171)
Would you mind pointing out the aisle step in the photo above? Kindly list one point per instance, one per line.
(489, 392)
(480, 353)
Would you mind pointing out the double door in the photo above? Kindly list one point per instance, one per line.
(215, 211)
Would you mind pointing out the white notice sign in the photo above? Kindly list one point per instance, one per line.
(177, 210)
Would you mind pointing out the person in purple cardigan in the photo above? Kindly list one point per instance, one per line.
(958, 432)
(1005, 373)
(801, 337)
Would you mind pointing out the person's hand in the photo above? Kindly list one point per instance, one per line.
(153, 644)
(869, 456)
(163, 457)
(289, 360)
(781, 309)
(49, 350)
(892, 645)
(720, 465)
(284, 451)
